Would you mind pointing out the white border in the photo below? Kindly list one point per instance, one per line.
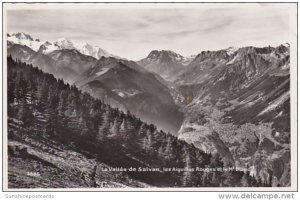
(293, 72)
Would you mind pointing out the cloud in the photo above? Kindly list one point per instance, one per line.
(134, 32)
(203, 30)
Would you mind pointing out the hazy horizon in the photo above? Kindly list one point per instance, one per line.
(133, 33)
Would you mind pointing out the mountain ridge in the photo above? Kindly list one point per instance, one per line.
(137, 90)
(88, 135)
(61, 43)
(236, 101)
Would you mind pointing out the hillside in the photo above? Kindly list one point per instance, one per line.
(237, 103)
(126, 85)
(54, 130)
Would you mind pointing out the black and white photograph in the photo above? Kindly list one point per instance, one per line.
(150, 96)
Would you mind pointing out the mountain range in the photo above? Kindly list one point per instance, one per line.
(234, 102)
(67, 139)
(238, 105)
(121, 82)
(61, 43)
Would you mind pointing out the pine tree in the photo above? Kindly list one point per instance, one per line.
(125, 130)
(205, 180)
(229, 180)
(270, 179)
(216, 161)
(16, 93)
(246, 180)
(31, 93)
(169, 156)
(188, 173)
(104, 127)
(147, 142)
(114, 130)
(83, 127)
(161, 152)
(42, 95)
(25, 113)
(142, 130)
(259, 181)
(123, 127)
(11, 96)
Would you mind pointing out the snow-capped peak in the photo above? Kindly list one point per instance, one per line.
(94, 51)
(231, 50)
(287, 45)
(84, 48)
(46, 47)
(22, 36)
(24, 39)
(64, 43)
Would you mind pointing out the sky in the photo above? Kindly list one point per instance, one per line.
(132, 32)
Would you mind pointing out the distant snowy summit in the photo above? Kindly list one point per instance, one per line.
(47, 47)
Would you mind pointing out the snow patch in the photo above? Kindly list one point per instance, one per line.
(277, 102)
(250, 99)
(127, 93)
(232, 60)
(279, 114)
(35, 45)
(231, 50)
(121, 94)
(103, 71)
(286, 66)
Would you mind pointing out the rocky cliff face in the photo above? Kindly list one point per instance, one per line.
(238, 105)
(165, 63)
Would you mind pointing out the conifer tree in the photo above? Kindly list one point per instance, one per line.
(188, 173)
(114, 130)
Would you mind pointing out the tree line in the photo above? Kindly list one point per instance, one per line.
(51, 109)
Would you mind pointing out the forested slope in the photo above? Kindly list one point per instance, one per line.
(53, 127)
